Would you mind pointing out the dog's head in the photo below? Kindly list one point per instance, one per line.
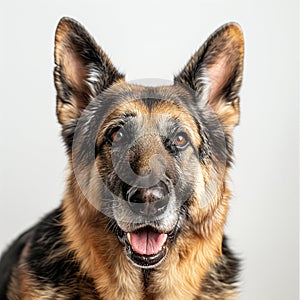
(152, 159)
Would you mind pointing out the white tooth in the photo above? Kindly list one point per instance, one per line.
(165, 238)
(129, 237)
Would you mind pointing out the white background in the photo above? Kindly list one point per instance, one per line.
(155, 39)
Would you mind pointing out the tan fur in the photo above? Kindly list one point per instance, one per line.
(100, 253)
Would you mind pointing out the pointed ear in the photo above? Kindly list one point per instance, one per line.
(215, 72)
(82, 69)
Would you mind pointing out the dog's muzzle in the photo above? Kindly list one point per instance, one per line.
(147, 242)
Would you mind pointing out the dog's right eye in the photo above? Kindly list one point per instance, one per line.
(116, 135)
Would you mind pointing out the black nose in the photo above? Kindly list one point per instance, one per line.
(150, 201)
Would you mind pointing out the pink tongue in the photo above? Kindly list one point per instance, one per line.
(147, 242)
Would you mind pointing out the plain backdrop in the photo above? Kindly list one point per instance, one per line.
(154, 39)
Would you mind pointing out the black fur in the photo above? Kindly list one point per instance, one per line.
(224, 275)
(10, 259)
(49, 260)
(49, 240)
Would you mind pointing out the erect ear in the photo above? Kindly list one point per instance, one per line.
(215, 73)
(82, 69)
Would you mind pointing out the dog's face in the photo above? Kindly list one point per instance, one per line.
(152, 159)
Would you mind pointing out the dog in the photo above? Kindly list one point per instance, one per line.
(146, 195)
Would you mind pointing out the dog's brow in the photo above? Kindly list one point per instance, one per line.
(128, 115)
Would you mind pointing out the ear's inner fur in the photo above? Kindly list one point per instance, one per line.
(215, 73)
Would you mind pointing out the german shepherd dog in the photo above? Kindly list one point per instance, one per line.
(146, 196)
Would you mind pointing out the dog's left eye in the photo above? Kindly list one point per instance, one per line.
(181, 140)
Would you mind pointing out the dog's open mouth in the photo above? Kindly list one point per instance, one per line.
(146, 247)
(147, 241)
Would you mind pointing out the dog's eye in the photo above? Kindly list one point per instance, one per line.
(117, 135)
(181, 140)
